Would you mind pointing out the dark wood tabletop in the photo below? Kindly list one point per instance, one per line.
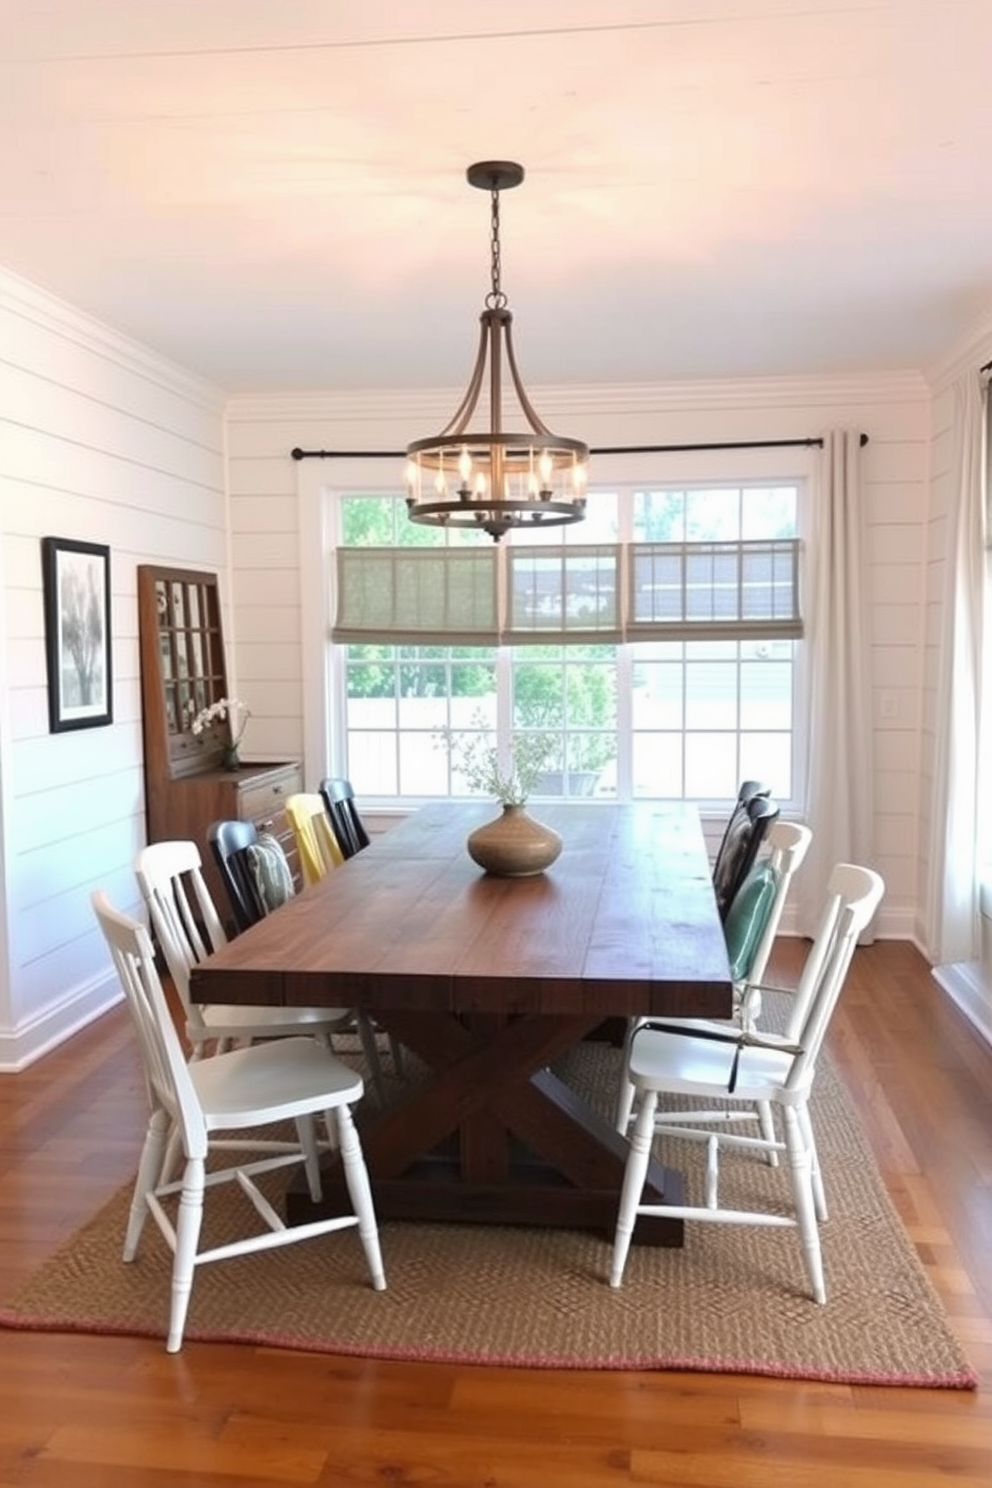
(623, 923)
(486, 980)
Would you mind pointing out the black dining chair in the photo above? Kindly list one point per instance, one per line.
(228, 841)
(339, 798)
(748, 791)
(746, 831)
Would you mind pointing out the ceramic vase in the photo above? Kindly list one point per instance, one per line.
(513, 845)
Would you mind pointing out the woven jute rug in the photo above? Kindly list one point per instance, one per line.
(733, 1300)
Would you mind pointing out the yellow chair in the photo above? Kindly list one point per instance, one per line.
(320, 853)
(316, 843)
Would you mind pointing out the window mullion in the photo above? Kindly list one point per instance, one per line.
(504, 704)
(625, 722)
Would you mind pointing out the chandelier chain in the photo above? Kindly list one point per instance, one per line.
(495, 299)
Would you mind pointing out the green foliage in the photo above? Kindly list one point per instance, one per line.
(420, 671)
(551, 697)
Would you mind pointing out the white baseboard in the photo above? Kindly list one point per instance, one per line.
(26, 1043)
(964, 983)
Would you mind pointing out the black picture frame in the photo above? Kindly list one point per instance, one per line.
(77, 633)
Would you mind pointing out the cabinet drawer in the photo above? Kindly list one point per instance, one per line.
(264, 798)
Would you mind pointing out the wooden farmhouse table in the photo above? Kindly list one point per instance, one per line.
(486, 980)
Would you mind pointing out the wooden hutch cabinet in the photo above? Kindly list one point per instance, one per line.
(183, 669)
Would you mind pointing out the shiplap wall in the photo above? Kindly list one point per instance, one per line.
(276, 539)
(99, 441)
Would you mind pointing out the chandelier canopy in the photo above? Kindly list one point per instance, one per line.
(494, 478)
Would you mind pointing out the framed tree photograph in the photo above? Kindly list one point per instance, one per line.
(77, 633)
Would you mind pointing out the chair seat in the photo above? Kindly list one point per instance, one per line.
(682, 1065)
(234, 1021)
(271, 1082)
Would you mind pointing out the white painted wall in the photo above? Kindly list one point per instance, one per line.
(278, 546)
(104, 442)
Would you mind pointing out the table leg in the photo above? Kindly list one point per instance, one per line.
(494, 1136)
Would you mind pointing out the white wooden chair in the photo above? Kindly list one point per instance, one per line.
(290, 1079)
(744, 1068)
(188, 928)
(750, 930)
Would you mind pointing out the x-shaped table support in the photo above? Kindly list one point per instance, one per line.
(492, 1135)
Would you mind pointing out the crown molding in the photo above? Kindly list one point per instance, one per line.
(970, 353)
(32, 303)
(394, 405)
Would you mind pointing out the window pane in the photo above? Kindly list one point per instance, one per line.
(372, 763)
(766, 695)
(768, 757)
(658, 765)
(423, 766)
(659, 516)
(712, 515)
(711, 696)
(711, 768)
(768, 512)
(656, 701)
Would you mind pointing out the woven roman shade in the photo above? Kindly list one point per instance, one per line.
(416, 596)
(567, 593)
(714, 590)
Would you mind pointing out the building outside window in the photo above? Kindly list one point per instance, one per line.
(656, 646)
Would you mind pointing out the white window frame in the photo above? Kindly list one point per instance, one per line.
(323, 682)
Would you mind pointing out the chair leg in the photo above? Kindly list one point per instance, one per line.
(307, 1138)
(625, 1094)
(357, 1179)
(800, 1164)
(149, 1173)
(366, 1032)
(819, 1193)
(633, 1183)
(173, 1152)
(766, 1121)
(184, 1262)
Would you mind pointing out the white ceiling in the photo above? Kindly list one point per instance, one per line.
(274, 194)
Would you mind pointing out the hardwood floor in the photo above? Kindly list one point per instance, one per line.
(113, 1412)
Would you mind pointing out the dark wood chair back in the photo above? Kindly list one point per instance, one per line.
(746, 830)
(339, 798)
(749, 789)
(228, 840)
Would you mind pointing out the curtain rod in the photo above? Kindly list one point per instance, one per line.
(618, 449)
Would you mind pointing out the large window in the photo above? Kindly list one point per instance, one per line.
(655, 645)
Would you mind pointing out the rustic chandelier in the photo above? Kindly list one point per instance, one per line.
(495, 479)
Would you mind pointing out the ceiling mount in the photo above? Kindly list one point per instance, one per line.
(495, 175)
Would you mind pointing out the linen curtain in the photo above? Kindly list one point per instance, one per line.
(961, 800)
(839, 807)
